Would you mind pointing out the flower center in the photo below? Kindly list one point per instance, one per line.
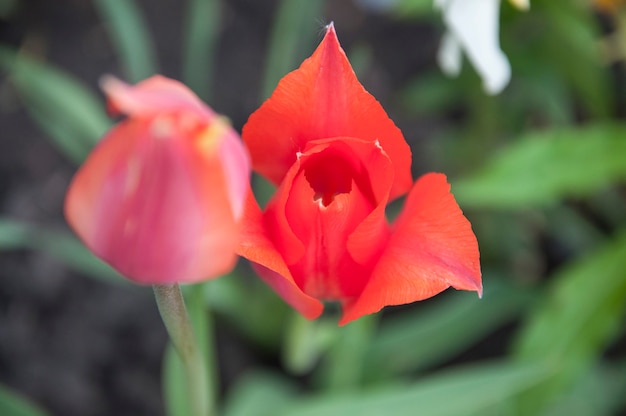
(328, 177)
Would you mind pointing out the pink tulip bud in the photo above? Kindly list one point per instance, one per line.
(160, 197)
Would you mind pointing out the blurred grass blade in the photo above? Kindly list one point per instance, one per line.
(201, 30)
(250, 306)
(543, 167)
(475, 390)
(572, 47)
(129, 33)
(259, 394)
(12, 404)
(72, 115)
(581, 314)
(599, 393)
(68, 249)
(13, 235)
(427, 336)
(306, 342)
(291, 39)
(343, 366)
(58, 244)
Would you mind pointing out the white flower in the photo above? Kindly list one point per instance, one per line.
(473, 26)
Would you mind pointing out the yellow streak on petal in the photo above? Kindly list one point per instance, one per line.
(209, 138)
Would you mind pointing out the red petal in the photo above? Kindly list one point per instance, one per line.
(327, 217)
(321, 99)
(431, 248)
(152, 201)
(257, 247)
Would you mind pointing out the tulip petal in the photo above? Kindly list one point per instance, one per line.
(155, 95)
(236, 165)
(329, 197)
(432, 247)
(321, 99)
(256, 246)
(153, 205)
(365, 242)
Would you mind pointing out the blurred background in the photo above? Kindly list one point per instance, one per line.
(538, 169)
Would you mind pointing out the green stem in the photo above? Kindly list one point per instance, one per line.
(174, 314)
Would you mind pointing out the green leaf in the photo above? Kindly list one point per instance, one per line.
(344, 364)
(291, 39)
(543, 167)
(129, 33)
(571, 46)
(259, 394)
(250, 306)
(71, 251)
(306, 342)
(69, 112)
(427, 336)
(13, 234)
(599, 393)
(574, 323)
(201, 30)
(470, 391)
(58, 244)
(13, 404)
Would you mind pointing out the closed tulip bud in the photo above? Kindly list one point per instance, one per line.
(160, 197)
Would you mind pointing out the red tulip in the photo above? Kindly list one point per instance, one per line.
(338, 160)
(161, 196)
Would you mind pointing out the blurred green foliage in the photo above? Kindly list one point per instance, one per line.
(544, 161)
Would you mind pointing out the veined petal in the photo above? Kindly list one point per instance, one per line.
(432, 247)
(321, 99)
(155, 95)
(256, 246)
(155, 206)
(329, 197)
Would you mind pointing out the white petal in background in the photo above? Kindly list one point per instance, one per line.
(473, 26)
(449, 55)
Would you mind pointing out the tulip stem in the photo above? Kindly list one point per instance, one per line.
(174, 314)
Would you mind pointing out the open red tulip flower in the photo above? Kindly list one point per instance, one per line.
(338, 160)
(161, 197)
